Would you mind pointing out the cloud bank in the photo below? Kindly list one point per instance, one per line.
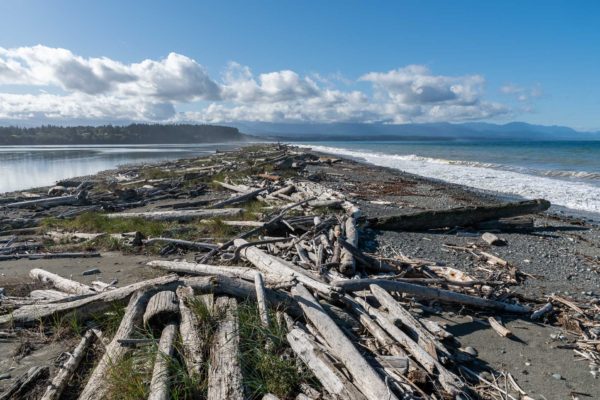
(52, 85)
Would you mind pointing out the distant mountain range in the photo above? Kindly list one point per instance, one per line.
(430, 131)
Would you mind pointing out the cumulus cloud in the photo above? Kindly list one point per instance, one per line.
(522, 94)
(103, 89)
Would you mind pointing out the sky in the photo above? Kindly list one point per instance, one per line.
(67, 62)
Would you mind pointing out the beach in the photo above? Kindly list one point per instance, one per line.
(558, 256)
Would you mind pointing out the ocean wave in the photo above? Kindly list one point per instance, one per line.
(574, 194)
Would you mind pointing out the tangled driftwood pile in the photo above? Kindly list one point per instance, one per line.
(348, 313)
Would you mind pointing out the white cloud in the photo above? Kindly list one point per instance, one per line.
(521, 93)
(102, 89)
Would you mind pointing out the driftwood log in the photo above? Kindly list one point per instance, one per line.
(463, 216)
(162, 309)
(159, 385)
(63, 284)
(179, 215)
(190, 339)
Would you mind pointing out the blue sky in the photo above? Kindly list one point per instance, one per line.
(321, 61)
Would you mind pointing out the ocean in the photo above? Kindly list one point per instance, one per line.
(567, 173)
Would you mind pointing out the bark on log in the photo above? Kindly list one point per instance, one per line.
(97, 385)
(159, 385)
(190, 339)
(333, 381)
(84, 307)
(225, 374)
(260, 299)
(367, 380)
(272, 265)
(65, 372)
(162, 309)
(347, 262)
(179, 215)
(63, 284)
(354, 285)
(463, 216)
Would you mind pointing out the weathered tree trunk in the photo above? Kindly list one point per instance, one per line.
(47, 202)
(63, 284)
(333, 381)
(83, 307)
(365, 377)
(225, 374)
(65, 372)
(190, 339)
(159, 385)
(272, 265)
(260, 299)
(48, 295)
(97, 385)
(354, 285)
(347, 262)
(162, 309)
(238, 199)
(463, 216)
(179, 215)
(183, 243)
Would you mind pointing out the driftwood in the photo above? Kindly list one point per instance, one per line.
(163, 308)
(365, 377)
(238, 199)
(182, 243)
(537, 314)
(499, 328)
(463, 216)
(63, 284)
(333, 381)
(25, 383)
(225, 374)
(190, 339)
(48, 295)
(347, 262)
(83, 306)
(260, 299)
(97, 385)
(48, 202)
(159, 385)
(179, 215)
(354, 285)
(65, 372)
(47, 256)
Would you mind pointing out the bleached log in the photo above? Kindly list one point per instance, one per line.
(272, 265)
(499, 328)
(463, 216)
(48, 295)
(235, 188)
(98, 383)
(185, 267)
(84, 307)
(190, 339)
(423, 337)
(448, 380)
(63, 284)
(162, 309)
(311, 353)
(179, 215)
(254, 224)
(159, 385)
(354, 285)
(225, 374)
(365, 377)
(182, 243)
(347, 261)
(58, 384)
(260, 299)
(436, 329)
(238, 199)
(47, 202)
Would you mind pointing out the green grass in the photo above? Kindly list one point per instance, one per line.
(97, 222)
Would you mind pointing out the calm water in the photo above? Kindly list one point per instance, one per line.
(566, 173)
(23, 167)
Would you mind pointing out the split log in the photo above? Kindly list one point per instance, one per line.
(272, 265)
(190, 339)
(355, 285)
(184, 267)
(238, 199)
(63, 376)
(179, 215)
(260, 299)
(311, 353)
(347, 262)
(159, 385)
(83, 307)
(162, 309)
(63, 284)
(418, 331)
(463, 216)
(97, 385)
(448, 380)
(366, 378)
(225, 374)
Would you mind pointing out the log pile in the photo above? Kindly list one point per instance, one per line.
(349, 316)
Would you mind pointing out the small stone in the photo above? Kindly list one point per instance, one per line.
(470, 351)
(558, 377)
